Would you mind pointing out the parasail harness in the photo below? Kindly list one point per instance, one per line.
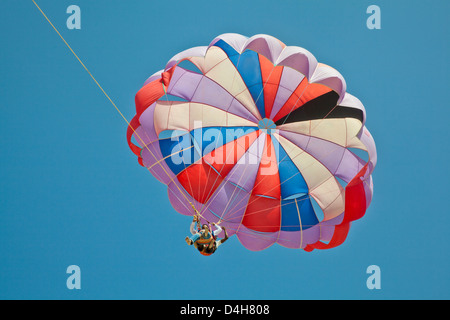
(202, 240)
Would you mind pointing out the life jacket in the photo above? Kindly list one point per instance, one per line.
(208, 239)
(205, 241)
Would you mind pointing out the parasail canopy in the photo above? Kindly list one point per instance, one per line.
(259, 136)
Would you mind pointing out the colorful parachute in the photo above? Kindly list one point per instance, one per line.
(260, 136)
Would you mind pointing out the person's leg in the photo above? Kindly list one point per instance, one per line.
(195, 237)
(190, 240)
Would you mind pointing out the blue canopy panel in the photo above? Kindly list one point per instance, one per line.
(297, 214)
(208, 139)
(249, 68)
(292, 183)
(180, 148)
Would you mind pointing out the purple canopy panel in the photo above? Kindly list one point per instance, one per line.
(180, 199)
(299, 239)
(235, 40)
(147, 123)
(299, 59)
(192, 52)
(266, 45)
(256, 241)
(289, 81)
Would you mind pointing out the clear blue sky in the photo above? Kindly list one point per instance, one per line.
(71, 191)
